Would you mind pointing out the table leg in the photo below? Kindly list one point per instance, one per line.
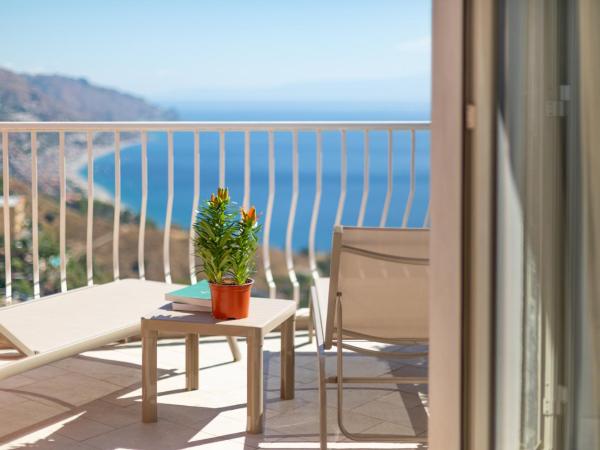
(255, 385)
(149, 375)
(191, 361)
(288, 329)
(235, 349)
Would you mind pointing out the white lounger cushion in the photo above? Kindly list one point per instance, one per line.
(112, 310)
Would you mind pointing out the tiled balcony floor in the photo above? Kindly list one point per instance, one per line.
(92, 401)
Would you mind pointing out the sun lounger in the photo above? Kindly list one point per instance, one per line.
(65, 324)
(377, 293)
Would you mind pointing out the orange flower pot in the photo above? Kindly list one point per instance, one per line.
(230, 301)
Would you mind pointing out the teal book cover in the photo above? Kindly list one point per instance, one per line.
(198, 293)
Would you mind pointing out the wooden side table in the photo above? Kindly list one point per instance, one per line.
(264, 316)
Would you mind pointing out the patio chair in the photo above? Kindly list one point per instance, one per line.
(377, 294)
(65, 324)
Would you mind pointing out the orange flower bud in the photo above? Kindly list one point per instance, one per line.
(223, 194)
(252, 214)
(249, 216)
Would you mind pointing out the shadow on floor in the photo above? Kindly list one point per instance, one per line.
(114, 421)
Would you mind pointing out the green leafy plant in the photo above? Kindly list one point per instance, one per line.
(245, 245)
(225, 242)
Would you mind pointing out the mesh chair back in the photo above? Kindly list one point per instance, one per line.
(382, 275)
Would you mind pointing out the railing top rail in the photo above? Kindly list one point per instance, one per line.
(211, 126)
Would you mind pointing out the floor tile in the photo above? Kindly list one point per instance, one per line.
(384, 412)
(72, 388)
(111, 415)
(55, 441)
(8, 398)
(45, 372)
(82, 429)
(163, 435)
(24, 415)
(16, 381)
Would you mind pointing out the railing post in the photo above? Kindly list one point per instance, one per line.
(90, 210)
(315, 212)
(427, 220)
(167, 231)
(221, 159)
(143, 206)
(289, 255)
(35, 217)
(343, 177)
(6, 212)
(390, 182)
(411, 192)
(267, 229)
(117, 211)
(195, 205)
(63, 212)
(365, 194)
(246, 202)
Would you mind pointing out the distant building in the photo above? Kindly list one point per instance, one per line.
(17, 205)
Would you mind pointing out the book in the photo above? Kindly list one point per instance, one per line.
(196, 295)
(175, 306)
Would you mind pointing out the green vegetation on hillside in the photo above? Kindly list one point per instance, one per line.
(49, 263)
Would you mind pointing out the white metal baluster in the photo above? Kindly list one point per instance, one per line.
(6, 212)
(90, 210)
(343, 177)
(167, 231)
(246, 202)
(63, 212)
(193, 279)
(390, 185)
(35, 217)
(143, 207)
(315, 212)
(411, 192)
(221, 159)
(117, 212)
(267, 229)
(427, 220)
(289, 256)
(365, 194)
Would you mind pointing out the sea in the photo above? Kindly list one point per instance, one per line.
(183, 206)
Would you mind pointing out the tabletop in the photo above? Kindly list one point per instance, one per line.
(264, 315)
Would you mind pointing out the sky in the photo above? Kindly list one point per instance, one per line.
(196, 50)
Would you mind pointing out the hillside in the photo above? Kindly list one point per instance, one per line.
(56, 98)
(26, 97)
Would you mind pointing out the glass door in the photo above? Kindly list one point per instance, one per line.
(546, 317)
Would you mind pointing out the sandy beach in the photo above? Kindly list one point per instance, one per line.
(79, 161)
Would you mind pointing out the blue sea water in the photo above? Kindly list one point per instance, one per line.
(234, 144)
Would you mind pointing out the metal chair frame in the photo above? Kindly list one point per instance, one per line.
(342, 340)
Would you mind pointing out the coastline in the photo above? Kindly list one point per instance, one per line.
(80, 162)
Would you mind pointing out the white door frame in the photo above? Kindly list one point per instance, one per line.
(462, 186)
(446, 289)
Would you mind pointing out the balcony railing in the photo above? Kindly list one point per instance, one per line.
(142, 129)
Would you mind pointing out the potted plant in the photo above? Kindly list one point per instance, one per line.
(226, 244)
